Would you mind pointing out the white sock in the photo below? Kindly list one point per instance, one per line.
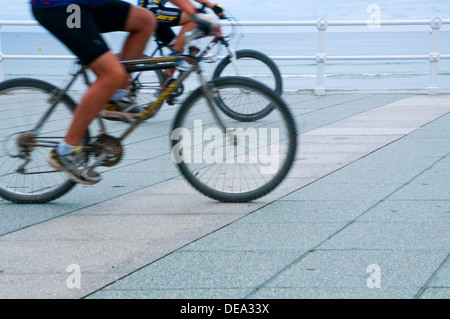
(63, 148)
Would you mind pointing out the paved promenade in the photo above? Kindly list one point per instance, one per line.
(364, 213)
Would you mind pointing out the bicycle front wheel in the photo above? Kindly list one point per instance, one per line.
(25, 176)
(229, 160)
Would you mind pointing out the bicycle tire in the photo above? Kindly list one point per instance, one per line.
(198, 169)
(15, 97)
(262, 59)
(161, 77)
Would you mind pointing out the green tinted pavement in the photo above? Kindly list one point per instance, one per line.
(364, 213)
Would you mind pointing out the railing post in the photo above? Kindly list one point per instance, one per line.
(321, 57)
(435, 56)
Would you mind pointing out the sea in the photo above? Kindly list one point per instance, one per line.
(298, 75)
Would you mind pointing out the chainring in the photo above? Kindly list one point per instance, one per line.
(178, 91)
(111, 146)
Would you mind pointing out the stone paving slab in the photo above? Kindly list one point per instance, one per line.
(348, 269)
(408, 251)
(358, 195)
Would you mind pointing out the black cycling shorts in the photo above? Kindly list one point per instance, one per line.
(167, 18)
(86, 41)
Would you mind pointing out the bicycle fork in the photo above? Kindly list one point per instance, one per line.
(233, 59)
(213, 99)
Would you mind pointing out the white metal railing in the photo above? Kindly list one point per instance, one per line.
(320, 58)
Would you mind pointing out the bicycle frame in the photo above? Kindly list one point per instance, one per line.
(168, 62)
(217, 38)
(134, 65)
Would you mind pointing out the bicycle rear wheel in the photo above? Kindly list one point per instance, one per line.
(25, 176)
(237, 161)
(255, 65)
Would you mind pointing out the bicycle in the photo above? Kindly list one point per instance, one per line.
(229, 160)
(243, 62)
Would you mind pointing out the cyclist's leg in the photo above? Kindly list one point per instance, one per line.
(139, 22)
(89, 46)
(107, 69)
(167, 19)
(115, 16)
(185, 6)
(187, 25)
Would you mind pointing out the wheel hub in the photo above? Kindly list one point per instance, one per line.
(25, 142)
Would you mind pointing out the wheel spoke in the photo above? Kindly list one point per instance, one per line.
(24, 174)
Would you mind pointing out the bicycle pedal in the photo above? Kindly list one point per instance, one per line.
(171, 101)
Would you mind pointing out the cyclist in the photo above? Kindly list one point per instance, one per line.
(168, 17)
(79, 27)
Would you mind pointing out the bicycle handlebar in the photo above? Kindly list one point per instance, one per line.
(208, 21)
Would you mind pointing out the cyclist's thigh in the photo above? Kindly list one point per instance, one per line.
(112, 16)
(165, 34)
(185, 18)
(83, 40)
(167, 18)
